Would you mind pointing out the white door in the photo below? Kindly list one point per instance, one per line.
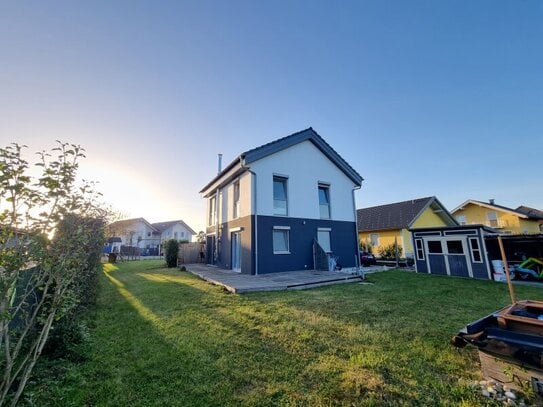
(236, 251)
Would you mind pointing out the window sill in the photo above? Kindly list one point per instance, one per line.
(281, 252)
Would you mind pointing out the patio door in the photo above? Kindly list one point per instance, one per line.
(236, 251)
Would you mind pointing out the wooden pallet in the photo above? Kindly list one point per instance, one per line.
(509, 372)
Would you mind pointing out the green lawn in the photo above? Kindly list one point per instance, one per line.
(164, 337)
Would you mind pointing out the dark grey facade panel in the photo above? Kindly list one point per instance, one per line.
(302, 232)
(224, 259)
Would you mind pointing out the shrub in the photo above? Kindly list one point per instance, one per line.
(171, 251)
(389, 252)
(366, 247)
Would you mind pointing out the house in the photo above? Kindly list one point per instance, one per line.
(523, 220)
(174, 229)
(532, 214)
(274, 206)
(145, 236)
(381, 226)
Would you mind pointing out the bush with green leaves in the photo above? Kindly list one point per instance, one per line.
(388, 252)
(366, 247)
(50, 238)
(171, 251)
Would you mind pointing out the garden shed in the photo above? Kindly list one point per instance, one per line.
(454, 251)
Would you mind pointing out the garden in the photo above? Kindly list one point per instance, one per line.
(160, 336)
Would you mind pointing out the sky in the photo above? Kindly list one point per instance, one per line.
(422, 98)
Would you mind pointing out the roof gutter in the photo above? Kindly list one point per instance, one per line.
(254, 201)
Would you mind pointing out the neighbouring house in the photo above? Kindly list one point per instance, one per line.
(174, 229)
(146, 237)
(274, 206)
(523, 220)
(381, 226)
(532, 213)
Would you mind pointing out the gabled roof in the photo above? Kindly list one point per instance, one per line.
(162, 226)
(127, 222)
(398, 215)
(492, 206)
(157, 228)
(255, 154)
(530, 212)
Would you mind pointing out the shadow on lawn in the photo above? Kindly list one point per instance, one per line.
(251, 351)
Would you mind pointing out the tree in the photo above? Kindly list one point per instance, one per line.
(171, 251)
(201, 237)
(50, 233)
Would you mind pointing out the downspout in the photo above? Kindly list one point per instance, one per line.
(217, 194)
(254, 201)
(357, 234)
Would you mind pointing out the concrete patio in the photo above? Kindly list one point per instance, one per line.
(290, 280)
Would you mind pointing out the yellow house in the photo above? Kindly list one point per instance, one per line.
(523, 220)
(380, 226)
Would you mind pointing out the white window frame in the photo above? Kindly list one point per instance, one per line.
(284, 179)
(461, 219)
(286, 230)
(472, 250)
(236, 200)
(212, 211)
(329, 231)
(376, 235)
(419, 247)
(326, 188)
(488, 218)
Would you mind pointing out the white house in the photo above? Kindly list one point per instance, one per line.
(267, 208)
(148, 237)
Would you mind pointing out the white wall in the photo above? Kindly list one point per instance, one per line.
(138, 229)
(305, 166)
(182, 233)
(226, 201)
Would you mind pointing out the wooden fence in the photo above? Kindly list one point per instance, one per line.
(193, 252)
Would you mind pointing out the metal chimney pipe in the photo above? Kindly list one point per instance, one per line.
(220, 164)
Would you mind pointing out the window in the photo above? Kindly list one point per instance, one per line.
(434, 247)
(236, 200)
(175, 235)
(323, 237)
(148, 234)
(492, 219)
(324, 201)
(279, 196)
(420, 250)
(281, 240)
(455, 247)
(475, 250)
(212, 210)
(461, 219)
(182, 234)
(374, 239)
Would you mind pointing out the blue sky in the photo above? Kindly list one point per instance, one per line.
(423, 98)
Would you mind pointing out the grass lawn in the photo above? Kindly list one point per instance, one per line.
(164, 337)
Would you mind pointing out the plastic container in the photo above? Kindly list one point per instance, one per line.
(497, 265)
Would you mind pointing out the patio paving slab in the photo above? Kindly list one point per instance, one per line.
(289, 280)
